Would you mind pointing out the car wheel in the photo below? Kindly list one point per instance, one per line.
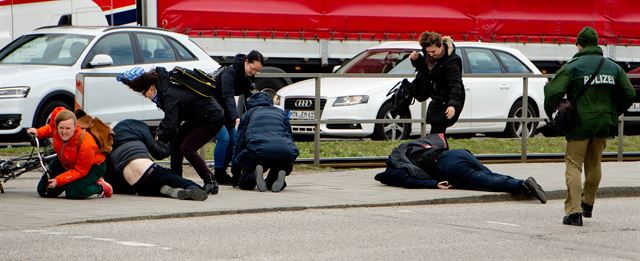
(390, 131)
(514, 129)
(42, 117)
(269, 83)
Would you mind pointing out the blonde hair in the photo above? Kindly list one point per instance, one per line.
(430, 38)
(64, 115)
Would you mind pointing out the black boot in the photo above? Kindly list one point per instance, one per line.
(587, 210)
(574, 219)
(211, 187)
(221, 176)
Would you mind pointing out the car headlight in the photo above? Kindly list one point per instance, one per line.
(14, 92)
(351, 100)
(276, 100)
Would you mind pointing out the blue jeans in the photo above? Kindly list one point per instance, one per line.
(464, 171)
(223, 152)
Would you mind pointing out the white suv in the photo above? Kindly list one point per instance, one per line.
(38, 72)
(366, 98)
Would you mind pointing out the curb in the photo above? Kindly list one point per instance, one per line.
(607, 192)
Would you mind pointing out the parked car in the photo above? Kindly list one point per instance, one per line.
(365, 98)
(634, 111)
(38, 72)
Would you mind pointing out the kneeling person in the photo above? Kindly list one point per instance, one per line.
(428, 163)
(264, 141)
(131, 159)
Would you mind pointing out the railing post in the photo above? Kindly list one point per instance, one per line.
(524, 117)
(620, 137)
(423, 122)
(316, 131)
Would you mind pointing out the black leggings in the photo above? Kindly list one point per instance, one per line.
(157, 176)
(190, 138)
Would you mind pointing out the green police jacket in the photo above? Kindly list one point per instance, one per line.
(597, 110)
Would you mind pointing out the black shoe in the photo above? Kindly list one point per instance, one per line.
(535, 190)
(221, 176)
(574, 219)
(278, 185)
(193, 194)
(211, 188)
(587, 210)
(260, 183)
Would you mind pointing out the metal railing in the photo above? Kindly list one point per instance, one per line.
(317, 110)
(524, 120)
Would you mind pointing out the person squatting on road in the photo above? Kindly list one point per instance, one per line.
(190, 120)
(134, 172)
(78, 167)
(265, 141)
(237, 79)
(428, 163)
(595, 118)
(439, 77)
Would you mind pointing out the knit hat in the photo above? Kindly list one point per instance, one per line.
(587, 37)
(130, 74)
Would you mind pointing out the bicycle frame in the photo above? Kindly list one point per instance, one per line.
(14, 167)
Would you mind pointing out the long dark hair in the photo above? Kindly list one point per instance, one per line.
(254, 56)
(143, 82)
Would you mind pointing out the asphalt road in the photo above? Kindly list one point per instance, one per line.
(514, 230)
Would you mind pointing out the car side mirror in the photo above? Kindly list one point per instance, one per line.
(101, 60)
(336, 68)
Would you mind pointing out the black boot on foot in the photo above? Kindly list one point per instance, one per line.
(211, 188)
(574, 219)
(587, 210)
(221, 176)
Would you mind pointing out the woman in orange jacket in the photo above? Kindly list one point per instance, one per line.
(78, 167)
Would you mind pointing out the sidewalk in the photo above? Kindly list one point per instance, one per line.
(22, 208)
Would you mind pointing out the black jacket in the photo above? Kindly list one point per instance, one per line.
(416, 159)
(179, 104)
(443, 83)
(234, 82)
(264, 131)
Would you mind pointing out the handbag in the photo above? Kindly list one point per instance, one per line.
(563, 115)
(401, 98)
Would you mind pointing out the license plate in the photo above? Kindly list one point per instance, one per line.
(302, 115)
(635, 107)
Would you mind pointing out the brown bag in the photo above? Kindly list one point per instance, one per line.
(101, 132)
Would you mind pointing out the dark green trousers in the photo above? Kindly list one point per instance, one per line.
(79, 189)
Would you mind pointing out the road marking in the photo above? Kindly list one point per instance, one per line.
(123, 243)
(502, 223)
(405, 211)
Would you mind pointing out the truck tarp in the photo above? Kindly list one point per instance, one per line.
(617, 21)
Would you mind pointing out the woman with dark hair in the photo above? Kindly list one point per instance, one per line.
(190, 120)
(237, 79)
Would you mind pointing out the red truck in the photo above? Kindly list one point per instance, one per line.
(316, 35)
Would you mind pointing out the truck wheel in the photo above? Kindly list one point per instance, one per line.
(42, 116)
(390, 131)
(514, 129)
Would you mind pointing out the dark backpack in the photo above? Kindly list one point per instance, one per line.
(401, 98)
(195, 80)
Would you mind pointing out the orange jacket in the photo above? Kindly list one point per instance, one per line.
(76, 161)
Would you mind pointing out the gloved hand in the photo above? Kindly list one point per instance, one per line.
(159, 150)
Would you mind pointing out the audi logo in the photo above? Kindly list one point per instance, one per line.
(303, 103)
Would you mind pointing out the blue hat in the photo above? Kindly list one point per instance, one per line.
(130, 74)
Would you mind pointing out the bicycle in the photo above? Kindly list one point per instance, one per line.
(38, 158)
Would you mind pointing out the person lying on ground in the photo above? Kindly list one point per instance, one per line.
(428, 163)
(134, 171)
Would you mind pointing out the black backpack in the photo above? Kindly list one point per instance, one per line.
(196, 80)
(401, 98)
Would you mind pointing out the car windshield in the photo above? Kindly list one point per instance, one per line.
(390, 61)
(45, 49)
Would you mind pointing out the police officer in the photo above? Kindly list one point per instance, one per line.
(596, 114)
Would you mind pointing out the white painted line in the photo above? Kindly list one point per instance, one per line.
(135, 244)
(405, 211)
(502, 223)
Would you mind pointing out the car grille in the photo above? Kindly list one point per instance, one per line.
(302, 104)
